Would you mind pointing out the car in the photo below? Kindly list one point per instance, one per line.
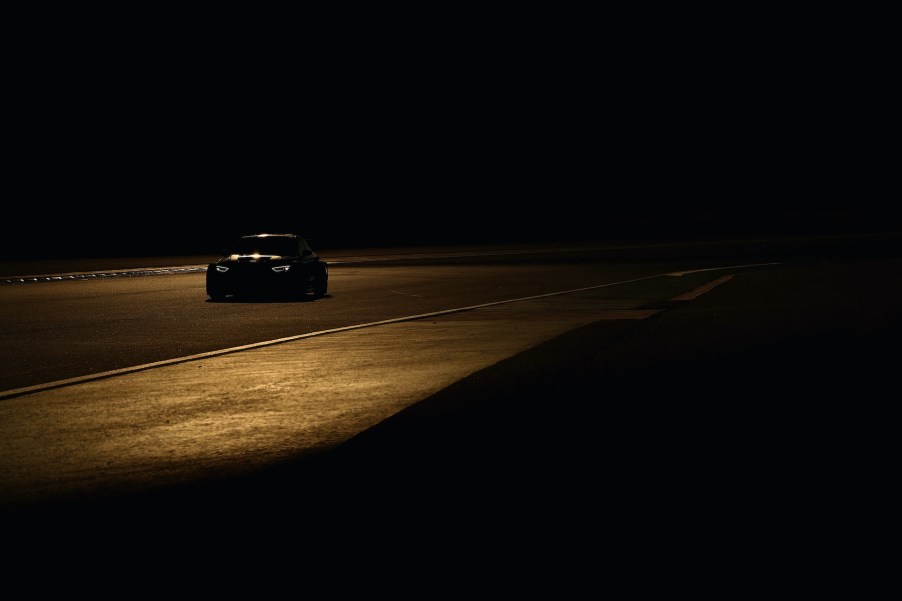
(268, 264)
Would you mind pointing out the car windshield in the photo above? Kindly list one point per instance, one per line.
(266, 245)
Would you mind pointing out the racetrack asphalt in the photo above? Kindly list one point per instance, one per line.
(727, 443)
(742, 417)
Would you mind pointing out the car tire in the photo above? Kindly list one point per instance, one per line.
(321, 283)
(213, 285)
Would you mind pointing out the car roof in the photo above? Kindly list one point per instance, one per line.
(270, 236)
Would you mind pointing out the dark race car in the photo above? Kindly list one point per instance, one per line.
(268, 264)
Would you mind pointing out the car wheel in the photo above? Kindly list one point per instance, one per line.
(321, 284)
(214, 286)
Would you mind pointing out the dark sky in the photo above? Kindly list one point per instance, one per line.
(566, 131)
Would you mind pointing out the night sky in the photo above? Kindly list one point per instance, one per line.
(136, 142)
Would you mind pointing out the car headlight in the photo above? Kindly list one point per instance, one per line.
(221, 268)
(281, 268)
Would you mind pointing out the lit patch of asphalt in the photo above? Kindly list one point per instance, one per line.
(243, 408)
(5, 394)
(136, 368)
(224, 413)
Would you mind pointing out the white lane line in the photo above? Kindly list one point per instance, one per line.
(235, 349)
(694, 294)
(681, 273)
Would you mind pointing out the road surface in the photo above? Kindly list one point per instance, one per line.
(694, 378)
